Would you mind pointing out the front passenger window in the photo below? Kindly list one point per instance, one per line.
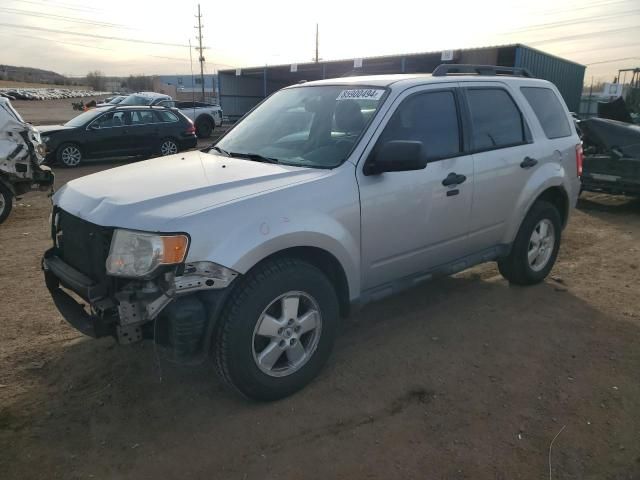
(431, 118)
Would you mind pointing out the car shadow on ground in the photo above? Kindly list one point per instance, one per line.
(461, 376)
(605, 203)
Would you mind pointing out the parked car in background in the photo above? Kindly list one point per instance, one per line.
(112, 101)
(120, 131)
(145, 98)
(253, 251)
(612, 156)
(21, 158)
(205, 116)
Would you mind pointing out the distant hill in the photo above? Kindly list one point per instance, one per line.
(33, 75)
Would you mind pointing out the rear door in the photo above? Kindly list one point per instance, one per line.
(504, 158)
(143, 131)
(410, 221)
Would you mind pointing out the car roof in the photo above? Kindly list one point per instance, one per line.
(151, 94)
(415, 79)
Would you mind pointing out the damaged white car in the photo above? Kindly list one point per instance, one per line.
(21, 157)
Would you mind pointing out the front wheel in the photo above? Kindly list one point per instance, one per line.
(6, 202)
(535, 248)
(277, 330)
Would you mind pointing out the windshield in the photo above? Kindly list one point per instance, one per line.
(83, 118)
(136, 100)
(306, 126)
(117, 100)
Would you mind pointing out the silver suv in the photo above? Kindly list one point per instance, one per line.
(326, 196)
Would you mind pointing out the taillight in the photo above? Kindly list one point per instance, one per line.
(579, 159)
(191, 129)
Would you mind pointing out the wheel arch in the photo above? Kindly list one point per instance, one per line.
(205, 116)
(324, 261)
(547, 183)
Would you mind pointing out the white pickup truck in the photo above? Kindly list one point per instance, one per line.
(205, 116)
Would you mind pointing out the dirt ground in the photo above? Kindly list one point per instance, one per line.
(461, 378)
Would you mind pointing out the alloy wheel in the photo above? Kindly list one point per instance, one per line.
(541, 245)
(71, 156)
(287, 334)
(168, 147)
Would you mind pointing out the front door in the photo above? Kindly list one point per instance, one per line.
(412, 222)
(105, 135)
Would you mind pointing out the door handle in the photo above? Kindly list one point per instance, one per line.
(528, 162)
(453, 179)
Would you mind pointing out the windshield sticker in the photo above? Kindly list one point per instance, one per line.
(361, 94)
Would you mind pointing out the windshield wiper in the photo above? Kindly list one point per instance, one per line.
(256, 157)
(218, 149)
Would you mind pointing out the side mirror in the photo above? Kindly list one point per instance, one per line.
(397, 156)
(94, 126)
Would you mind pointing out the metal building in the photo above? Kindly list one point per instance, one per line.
(241, 89)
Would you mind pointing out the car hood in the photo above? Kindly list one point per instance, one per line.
(148, 195)
(52, 128)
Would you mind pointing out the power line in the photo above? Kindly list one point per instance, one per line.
(91, 35)
(30, 13)
(577, 21)
(583, 35)
(49, 3)
(614, 60)
(49, 40)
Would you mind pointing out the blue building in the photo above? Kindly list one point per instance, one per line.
(183, 87)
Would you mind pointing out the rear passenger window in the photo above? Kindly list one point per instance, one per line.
(495, 118)
(166, 116)
(549, 111)
(142, 117)
(431, 118)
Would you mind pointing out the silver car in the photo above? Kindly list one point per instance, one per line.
(326, 196)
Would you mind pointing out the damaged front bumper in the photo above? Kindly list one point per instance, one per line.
(178, 308)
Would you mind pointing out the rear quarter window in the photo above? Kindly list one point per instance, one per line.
(547, 107)
(167, 116)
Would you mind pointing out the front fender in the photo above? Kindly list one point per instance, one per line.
(546, 176)
(253, 243)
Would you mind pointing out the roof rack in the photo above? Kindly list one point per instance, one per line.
(465, 69)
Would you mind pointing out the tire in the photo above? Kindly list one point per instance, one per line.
(204, 127)
(534, 251)
(168, 146)
(6, 202)
(249, 352)
(69, 155)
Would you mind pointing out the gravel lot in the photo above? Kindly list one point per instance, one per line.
(462, 378)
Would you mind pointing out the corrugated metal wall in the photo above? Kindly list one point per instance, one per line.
(567, 76)
(238, 94)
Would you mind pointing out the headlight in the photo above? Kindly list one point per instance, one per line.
(137, 254)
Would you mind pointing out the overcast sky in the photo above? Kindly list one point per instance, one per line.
(75, 36)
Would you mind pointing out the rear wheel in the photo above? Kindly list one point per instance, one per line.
(204, 127)
(535, 248)
(277, 330)
(69, 155)
(6, 202)
(168, 146)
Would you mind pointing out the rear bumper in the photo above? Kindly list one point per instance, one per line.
(189, 142)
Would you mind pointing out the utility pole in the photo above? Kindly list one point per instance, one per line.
(317, 58)
(200, 49)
